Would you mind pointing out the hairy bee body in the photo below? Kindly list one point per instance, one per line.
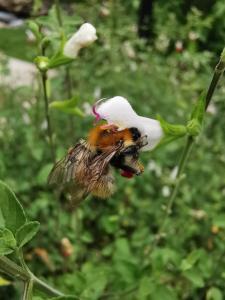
(87, 167)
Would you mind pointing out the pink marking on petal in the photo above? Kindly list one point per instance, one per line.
(97, 115)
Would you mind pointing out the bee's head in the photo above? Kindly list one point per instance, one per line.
(135, 133)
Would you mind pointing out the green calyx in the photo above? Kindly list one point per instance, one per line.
(42, 63)
(193, 127)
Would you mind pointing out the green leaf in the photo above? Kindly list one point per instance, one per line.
(67, 106)
(214, 294)
(219, 220)
(195, 276)
(34, 27)
(26, 232)
(12, 215)
(58, 60)
(145, 287)
(192, 258)
(7, 242)
(69, 103)
(161, 292)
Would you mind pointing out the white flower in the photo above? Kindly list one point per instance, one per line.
(165, 191)
(118, 111)
(85, 36)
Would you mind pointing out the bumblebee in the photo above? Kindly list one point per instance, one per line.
(87, 167)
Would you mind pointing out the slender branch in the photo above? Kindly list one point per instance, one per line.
(182, 163)
(219, 69)
(13, 270)
(28, 290)
(45, 288)
(47, 116)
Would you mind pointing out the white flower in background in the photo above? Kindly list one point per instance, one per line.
(26, 119)
(87, 108)
(179, 47)
(212, 109)
(118, 111)
(165, 191)
(153, 166)
(173, 173)
(193, 36)
(85, 36)
(128, 50)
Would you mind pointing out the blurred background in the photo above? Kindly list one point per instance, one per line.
(160, 55)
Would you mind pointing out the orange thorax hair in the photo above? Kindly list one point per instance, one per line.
(101, 138)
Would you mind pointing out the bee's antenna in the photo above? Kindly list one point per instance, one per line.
(95, 106)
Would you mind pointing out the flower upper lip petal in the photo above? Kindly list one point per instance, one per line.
(118, 111)
(85, 36)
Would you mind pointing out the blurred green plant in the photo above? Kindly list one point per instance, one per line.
(112, 258)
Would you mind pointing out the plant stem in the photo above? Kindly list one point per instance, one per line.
(28, 290)
(181, 165)
(13, 270)
(219, 69)
(47, 116)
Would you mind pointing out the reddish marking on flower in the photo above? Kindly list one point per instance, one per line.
(127, 174)
(97, 115)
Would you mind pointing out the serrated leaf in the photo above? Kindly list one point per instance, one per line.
(26, 232)
(12, 215)
(214, 294)
(7, 242)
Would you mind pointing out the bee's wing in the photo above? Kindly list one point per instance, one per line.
(99, 166)
(63, 172)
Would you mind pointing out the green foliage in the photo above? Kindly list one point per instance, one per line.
(12, 215)
(7, 242)
(68, 106)
(111, 240)
(26, 232)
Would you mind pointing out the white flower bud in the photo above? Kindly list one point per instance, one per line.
(118, 111)
(85, 36)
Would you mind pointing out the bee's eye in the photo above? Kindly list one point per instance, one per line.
(135, 133)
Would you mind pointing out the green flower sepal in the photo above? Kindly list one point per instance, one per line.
(194, 126)
(42, 63)
(171, 131)
(58, 60)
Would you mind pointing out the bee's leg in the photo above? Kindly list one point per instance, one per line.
(110, 127)
(130, 150)
(142, 142)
